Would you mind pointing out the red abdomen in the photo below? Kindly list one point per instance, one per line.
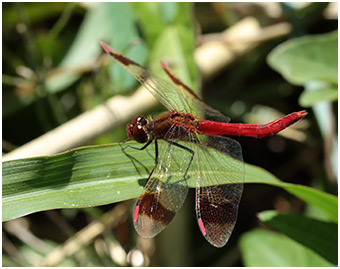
(252, 130)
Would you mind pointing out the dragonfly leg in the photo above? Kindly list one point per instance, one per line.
(187, 149)
(156, 153)
(142, 148)
(145, 146)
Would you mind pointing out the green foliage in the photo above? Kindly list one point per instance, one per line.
(307, 58)
(319, 236)
(262, 247)
(93, 176)
(309, 98)
(310, 61)
(169, 33)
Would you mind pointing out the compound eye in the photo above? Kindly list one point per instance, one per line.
(136, 130)
(138, 120)
(130, 131)
(142, 121)
(139, 134)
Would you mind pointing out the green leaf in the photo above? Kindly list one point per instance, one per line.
(97, 175)
(152, 21)
(156, 17)
(169, 48)
(125, 38)
(326, 202)
(309, 98)
(85, 48)
(319, 236)
(169, 31)
(307, 58)
(262, 248)
(77, 178)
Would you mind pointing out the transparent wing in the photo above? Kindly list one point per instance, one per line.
(217, 205)
(214, 157)
(165, 191)
(174, 96)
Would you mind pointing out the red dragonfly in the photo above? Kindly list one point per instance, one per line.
(193, 134)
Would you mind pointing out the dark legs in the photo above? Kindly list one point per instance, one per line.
(187, 149)
(145, 146)
(157, 152)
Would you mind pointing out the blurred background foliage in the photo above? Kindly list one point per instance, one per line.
(53, 71)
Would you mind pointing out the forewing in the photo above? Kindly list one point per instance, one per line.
(217, 205)
(174, 96)
(191, 102)
(164, 193)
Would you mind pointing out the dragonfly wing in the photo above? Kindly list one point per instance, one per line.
(217, 204)
(191, 102)
(174, 96)
(216, 210)
(152, 83)
(157, 206)
(164, 193)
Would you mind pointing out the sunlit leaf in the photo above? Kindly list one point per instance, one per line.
(264, 248)
(307, 58)
(97, 175)
(169, 31)
(317, 235)
(309, 98)
(85, 48)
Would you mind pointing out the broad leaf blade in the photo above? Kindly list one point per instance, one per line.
(260, 247)
(97, 175)
(169, 31)
(319, 236)
(310, 98)
(326, 202)
(307, 59)
(85, 48)
(78, 178)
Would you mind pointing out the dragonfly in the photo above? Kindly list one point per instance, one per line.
(196, 148)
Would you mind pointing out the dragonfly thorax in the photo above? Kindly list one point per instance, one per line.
(136, 129)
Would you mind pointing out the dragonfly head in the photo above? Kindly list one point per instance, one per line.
(136, 130)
